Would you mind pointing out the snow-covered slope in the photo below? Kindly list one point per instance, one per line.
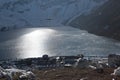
(24, 13)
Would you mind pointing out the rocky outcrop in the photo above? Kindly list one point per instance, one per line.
(104, 21)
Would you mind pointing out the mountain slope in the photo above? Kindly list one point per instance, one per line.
(104, 21)
(24, 13)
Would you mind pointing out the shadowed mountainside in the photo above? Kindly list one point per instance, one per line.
(104, 21)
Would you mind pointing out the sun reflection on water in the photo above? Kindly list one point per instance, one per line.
(35, 43)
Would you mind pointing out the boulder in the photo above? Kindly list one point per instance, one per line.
(116, 72)
(27, 75)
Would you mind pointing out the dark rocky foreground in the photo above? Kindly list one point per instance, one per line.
(104, 21)
(72, 74)
(57, 68)
(75, 74)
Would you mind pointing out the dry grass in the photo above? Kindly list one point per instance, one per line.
(74, 74)
(3, 79)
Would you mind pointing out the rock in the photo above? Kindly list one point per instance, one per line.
(22, 77)
(27, 75)
(116, 72)
(4, 73)
(92, 67)
(84, 78)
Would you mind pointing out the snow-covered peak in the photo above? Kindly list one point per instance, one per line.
(32, 13)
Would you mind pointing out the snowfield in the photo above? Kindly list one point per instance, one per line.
(32, 13)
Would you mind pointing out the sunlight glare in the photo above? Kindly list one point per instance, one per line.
(34, 43)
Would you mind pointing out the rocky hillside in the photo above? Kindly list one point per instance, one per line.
(34, 13)
(104, 21)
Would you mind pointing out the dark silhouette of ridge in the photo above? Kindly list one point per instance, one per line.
(104, 21)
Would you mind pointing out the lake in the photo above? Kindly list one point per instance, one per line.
(54, 41)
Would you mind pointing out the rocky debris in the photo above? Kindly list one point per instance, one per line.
(67, 65)
(114, 60)
(98, 69)
(116, 72)
(28, 75)
(10, 73)
(5, 74)
(92, 67)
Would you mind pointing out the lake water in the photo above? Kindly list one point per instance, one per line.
(34, 42)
